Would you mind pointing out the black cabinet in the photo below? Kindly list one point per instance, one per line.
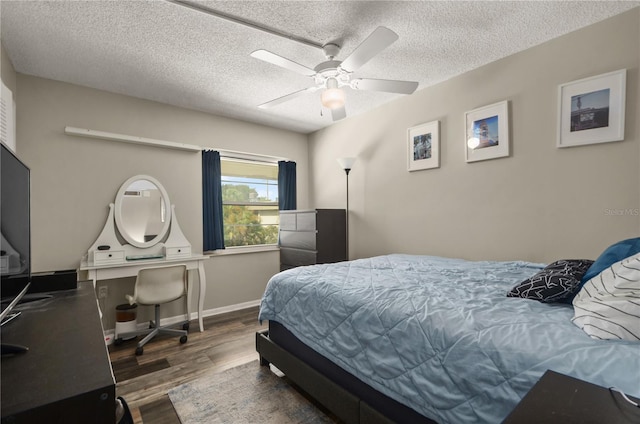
(310, 237)
(65, 376)
(558, 398)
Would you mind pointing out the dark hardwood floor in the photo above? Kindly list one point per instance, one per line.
(143, 381)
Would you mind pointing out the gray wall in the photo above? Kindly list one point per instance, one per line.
(74, 179)
(540, 204)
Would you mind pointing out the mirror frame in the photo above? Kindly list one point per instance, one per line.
(119, 218)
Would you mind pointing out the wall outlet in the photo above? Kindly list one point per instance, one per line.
(103, 292)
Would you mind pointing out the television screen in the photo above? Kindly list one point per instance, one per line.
(15, 245)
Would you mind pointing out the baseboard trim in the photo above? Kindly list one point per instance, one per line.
(109, 335)
(226, 309)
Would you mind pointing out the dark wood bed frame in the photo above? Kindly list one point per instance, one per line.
(351, 400)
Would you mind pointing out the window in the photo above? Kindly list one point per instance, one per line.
(249, 202)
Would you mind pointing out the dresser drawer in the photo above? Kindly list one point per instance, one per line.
(177, 252)
(297, 257)
(4, 264)
(287, 221)
(298, 221)
(105, 257)
(306, 221)
(298, 239)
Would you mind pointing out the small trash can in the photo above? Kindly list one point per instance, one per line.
(126, 319)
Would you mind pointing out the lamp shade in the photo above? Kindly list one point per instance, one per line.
(333, 98)
(346, 163)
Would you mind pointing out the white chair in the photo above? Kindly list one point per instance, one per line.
(153, 287)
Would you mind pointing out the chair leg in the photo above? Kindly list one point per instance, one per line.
(148, 337)
(157, 329)
(185, 325)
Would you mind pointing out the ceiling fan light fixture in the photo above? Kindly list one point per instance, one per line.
(332, 98)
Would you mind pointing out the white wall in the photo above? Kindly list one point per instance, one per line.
(74, 179)
(7, 71)
(540, 204)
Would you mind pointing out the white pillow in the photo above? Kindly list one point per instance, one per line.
(608, 305)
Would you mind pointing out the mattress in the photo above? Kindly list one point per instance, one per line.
(439, 335)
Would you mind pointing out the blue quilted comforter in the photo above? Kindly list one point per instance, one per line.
(439, 335)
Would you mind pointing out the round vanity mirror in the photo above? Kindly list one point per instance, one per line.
(142, 211)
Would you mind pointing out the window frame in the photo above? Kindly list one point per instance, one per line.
(257, 160)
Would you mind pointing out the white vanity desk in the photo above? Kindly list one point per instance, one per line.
(142, 217)
(131, 268)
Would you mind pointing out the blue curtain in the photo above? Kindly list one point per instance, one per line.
(286, 185)
(212, 225)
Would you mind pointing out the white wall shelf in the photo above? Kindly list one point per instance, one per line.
(103, 135)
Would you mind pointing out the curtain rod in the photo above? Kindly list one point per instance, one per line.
(233, 154)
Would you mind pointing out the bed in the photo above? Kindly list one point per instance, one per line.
(406, 338)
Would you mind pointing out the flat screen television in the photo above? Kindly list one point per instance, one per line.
(15, 230)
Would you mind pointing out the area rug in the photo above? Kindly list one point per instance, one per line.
(248, 393)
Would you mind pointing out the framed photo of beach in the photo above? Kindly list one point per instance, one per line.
(591, 110)
(423, 146)
(487, 132)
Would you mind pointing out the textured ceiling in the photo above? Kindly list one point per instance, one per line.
(162, 51)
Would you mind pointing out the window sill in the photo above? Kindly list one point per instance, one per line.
(240, 250)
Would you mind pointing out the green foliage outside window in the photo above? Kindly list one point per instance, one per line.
(237, 193)
(243, 224)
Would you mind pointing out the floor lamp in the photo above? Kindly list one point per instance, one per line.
(347, 164)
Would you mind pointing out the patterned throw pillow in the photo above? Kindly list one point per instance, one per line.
(555, 283)
(607, 306)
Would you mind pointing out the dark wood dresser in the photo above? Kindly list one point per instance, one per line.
(310, 237)
(65, 376)
(561, 399)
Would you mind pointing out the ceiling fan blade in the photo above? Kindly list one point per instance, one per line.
(288, 97)
(380, 39)
(339, 113)
(389, 86)
(274, 59)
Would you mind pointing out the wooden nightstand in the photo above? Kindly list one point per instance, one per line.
(558, 398)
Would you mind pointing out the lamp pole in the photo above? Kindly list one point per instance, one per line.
(347, 170)
(347, 164)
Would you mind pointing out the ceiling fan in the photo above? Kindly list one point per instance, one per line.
(332, 75)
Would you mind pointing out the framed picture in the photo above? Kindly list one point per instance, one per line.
(423, 146)
(591, 110)
(487, 132)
